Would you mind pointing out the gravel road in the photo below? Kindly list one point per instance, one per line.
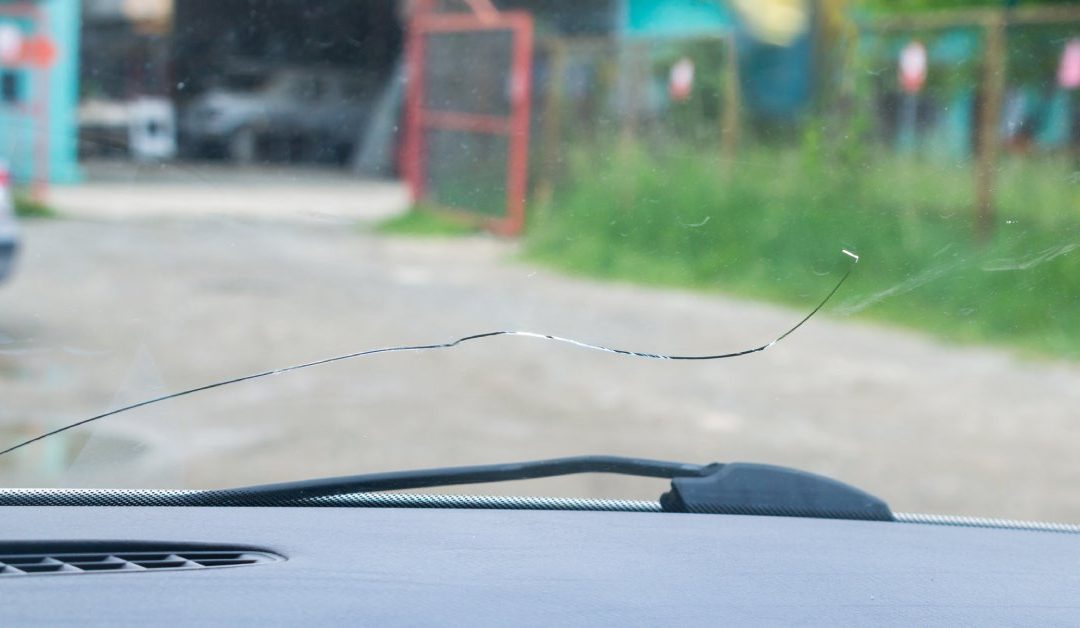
(107, 311)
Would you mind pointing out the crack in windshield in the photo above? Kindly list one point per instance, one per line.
(450, 345)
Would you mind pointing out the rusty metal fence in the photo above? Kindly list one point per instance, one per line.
(596, 92)
(995, 85)
(468, 105)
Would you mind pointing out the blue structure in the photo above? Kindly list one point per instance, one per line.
(673, 18)
(38, 106)
(1036, 113)
(776, 80)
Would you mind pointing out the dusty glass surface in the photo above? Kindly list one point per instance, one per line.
(193, 192)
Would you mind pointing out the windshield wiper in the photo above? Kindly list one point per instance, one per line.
(733, 488)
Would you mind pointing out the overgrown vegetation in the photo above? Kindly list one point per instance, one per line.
(910, 6)
(26, 207)
(425, 221)
(774, 225)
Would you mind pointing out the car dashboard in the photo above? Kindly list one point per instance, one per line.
(396, 559)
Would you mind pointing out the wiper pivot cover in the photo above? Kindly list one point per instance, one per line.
(745, 488)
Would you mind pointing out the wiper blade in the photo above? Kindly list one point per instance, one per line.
(733, 488)
(456, 476)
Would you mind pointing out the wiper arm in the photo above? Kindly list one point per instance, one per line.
(455, 476)
(733, 488)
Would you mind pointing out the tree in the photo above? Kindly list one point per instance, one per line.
(910, 6)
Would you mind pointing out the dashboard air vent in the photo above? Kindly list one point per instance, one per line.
(64, 562)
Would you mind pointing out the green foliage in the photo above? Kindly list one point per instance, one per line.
(955, 58)
(773, 228)
(1034, 52)
(695, 119)
(424, 221)
(26, 207)
(911, 6)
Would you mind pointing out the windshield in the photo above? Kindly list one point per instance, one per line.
(669, 178)
(241, 83)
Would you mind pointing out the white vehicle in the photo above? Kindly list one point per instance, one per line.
(9, 231)
(143, 128)
(321, 110)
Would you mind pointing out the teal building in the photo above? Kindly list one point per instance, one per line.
(38, 105)
(673, 18)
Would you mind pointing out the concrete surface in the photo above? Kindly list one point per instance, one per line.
(105, 312)
(115, 190)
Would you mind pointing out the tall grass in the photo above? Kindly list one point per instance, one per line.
(27, 207)
(422, 220)
(773, 224)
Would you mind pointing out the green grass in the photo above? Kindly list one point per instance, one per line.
(26, 207)
(774, 227)
(423, 221)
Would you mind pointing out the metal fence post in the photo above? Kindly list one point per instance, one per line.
(633, 77)
(553, 119)
(730, 118)
(988, 140)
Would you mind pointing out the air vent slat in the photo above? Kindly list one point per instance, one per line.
(222, 562)
(28, 560)
(42, 567)
(103, 566)
(162, 564)
(70, 562)
(82, 558)
(201, 556)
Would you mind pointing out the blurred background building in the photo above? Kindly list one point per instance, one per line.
(39, 61)
(324, 82)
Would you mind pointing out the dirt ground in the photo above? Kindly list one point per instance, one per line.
(109, 307)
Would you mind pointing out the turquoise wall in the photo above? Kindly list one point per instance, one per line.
(18, 129)
(646, 18)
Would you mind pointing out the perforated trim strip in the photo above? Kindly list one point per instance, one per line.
(134, 497)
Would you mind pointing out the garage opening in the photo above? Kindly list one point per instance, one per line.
(257, 80)
(248, 80)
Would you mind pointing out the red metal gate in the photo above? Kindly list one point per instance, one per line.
(467, 114)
